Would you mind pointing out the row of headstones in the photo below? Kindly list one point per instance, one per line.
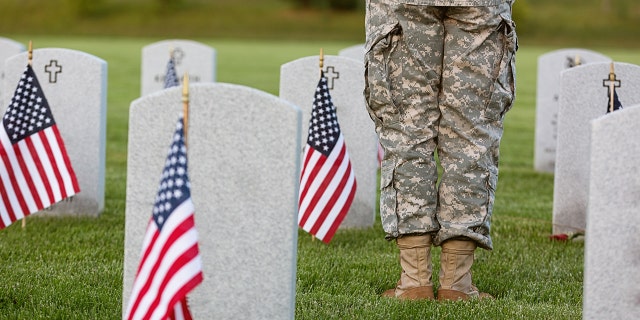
(611, 137)
(572, 90)
(244, 154)
(75, 84)
(594, 156)
(84, 131)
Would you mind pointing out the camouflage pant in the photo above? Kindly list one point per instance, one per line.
(439, 81)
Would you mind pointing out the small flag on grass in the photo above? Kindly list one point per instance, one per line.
(170, 264)
(327, 180)
(171, 76)
(36, 171)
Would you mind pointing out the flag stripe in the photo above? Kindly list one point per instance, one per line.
(327, 230)
(45, 192)
(13, 176)
(309, 157)
(9, 198)
(54, 176)
(316, 163)
(162, 245)
(155, 258)
(318, 168)
(148, 245)
(62, 162)
(330, 200)
(181, 311)
(325, 167)
(333, 186)
(162, 268)
(184, 267)
(315, 205)
(43, 150)
(6, 212)
(22, 151)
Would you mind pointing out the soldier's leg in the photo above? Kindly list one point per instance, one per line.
(477, 90)
(403, 65)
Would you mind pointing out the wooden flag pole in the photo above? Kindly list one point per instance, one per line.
(612, 79)
(30, 57)
(185, 106)
(321, 59)
(30, 62)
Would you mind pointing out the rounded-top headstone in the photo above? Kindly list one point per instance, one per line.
(243, 148)
(75, 85)
(550, 67)
(8, 48)
(298, 82)
(584, 97)
(612, 254)
(191, 57)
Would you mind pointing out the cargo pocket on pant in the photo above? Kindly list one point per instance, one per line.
(484, 227)
(503, 92)
(388, 199)
(377, 92)
(492, 183)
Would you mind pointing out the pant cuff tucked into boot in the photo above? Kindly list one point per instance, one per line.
(456, 260)
(415, 259)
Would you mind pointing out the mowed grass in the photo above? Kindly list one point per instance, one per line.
(71, 268)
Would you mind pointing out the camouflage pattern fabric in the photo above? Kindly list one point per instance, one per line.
(439, 81)
(450, 3)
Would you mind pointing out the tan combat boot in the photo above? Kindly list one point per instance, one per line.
(455, 272)
(415, 260)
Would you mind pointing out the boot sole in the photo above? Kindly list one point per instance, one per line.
(418, 293)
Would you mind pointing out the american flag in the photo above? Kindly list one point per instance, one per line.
(170, 264)
(327, 180)
(171, 77)
(616, 102)
(36, 171)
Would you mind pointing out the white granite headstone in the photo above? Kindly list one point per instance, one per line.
(298, 82)
(612, 243)
(550, 65)
(583, 98)
(354, 52)
(194, 58)
(75, 85)
(8, 48)
(243, 149)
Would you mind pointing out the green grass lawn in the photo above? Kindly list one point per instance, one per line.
(71, 268)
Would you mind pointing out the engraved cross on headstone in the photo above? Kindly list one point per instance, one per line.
(331, 75)
(53, 69)
(611, 83)
(177, 55)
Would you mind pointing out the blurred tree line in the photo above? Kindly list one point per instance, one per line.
(91, 7)
(98, 7)
(566, 22)
(330, 4)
